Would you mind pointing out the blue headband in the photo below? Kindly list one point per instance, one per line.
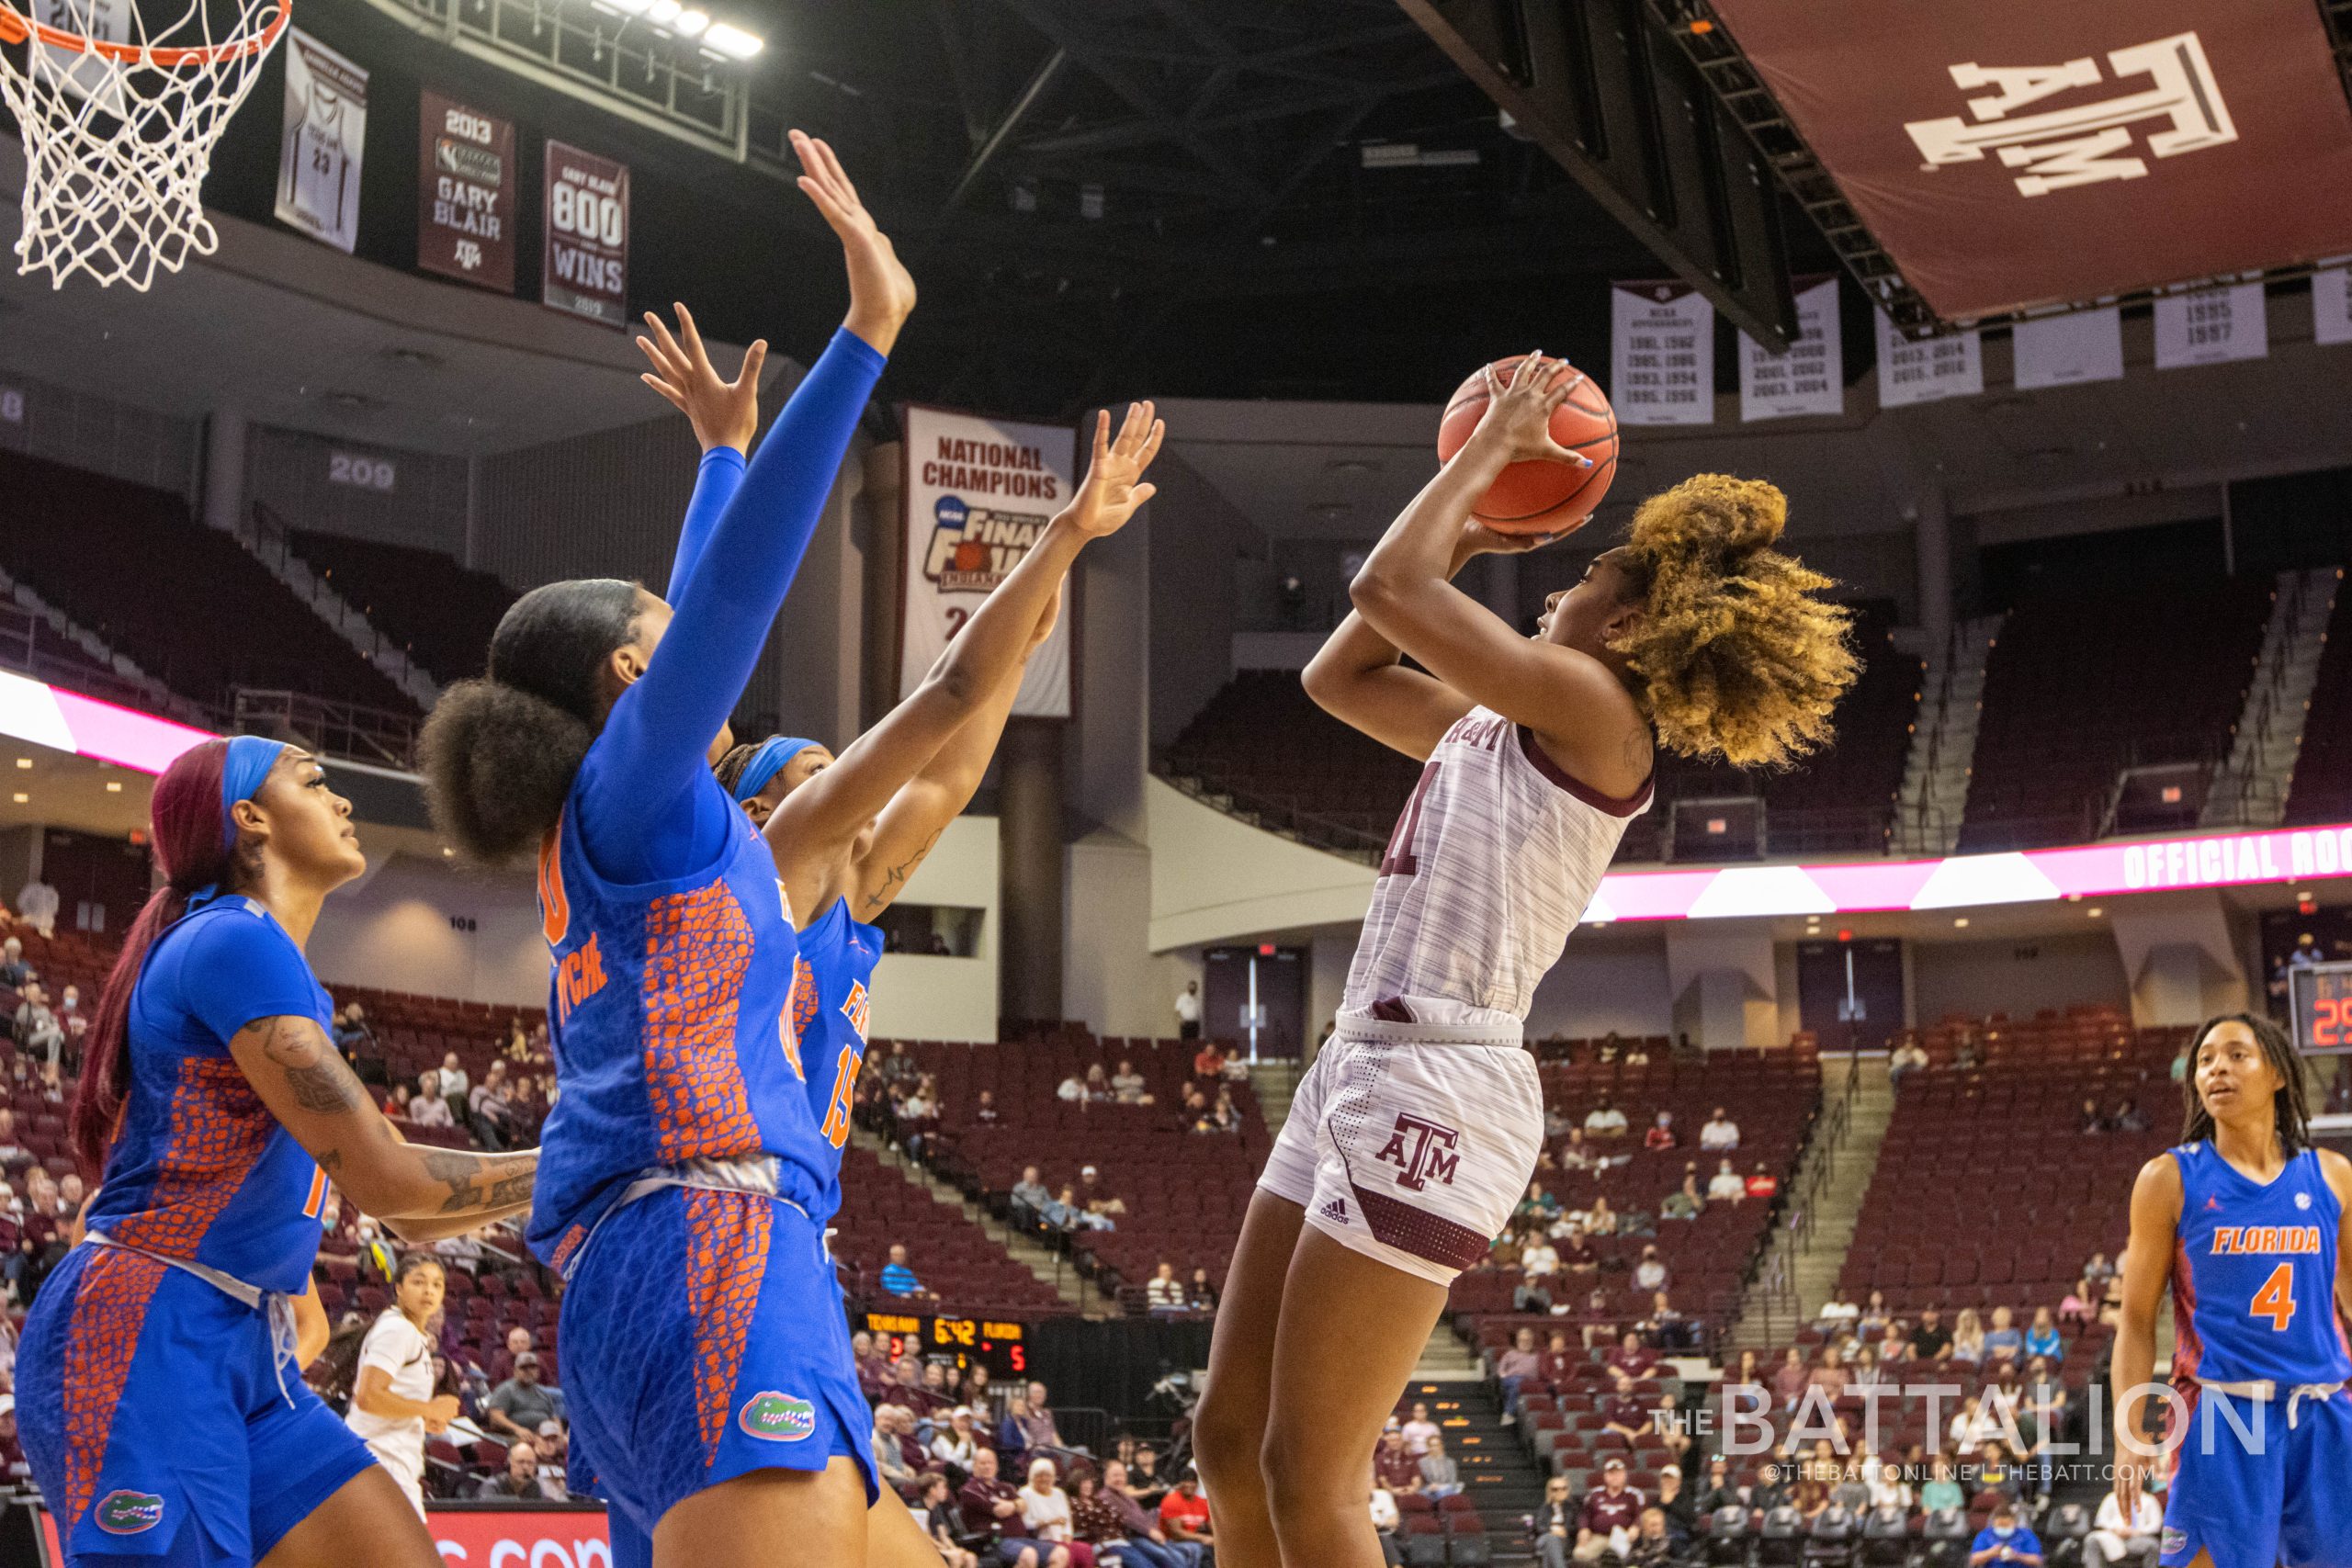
(768, 761)
(242, 770)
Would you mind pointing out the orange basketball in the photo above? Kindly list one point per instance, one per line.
(1539, 496)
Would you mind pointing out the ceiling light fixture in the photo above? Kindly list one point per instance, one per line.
(690, 24)
(725, 38)
(114, 787)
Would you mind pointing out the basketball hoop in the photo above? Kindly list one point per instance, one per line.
(118, 132)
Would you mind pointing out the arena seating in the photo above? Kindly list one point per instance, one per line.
(950, 1254)
(1773, 1096)
(183, 602)
(2082, 685)
(1185, 1191)
(1265, 743)
(2323, 787)
(441, 614)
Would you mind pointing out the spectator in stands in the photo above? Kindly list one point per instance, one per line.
(352, 1035)
(2003, 1343)
(1720, 1491)
(985, 1111)
(2098, 1271)
(1440, 1477)
(1762, 1183)
(1943, 1493)
(1097, 1198)
(1887, 1487)
(1830, 1376)
(1600, 1219)
(1726, 1186)
(1395, 1469)
(1894, 1345)
(1188, 1021)
(2128, 1118)
(935, 1514)
(2180, 1071)
(2005, 1542)
(1576, 1154)
(1968, 1338)
(1419, 1431)
(890, 1460)
(14, 1155)
(2080, 1306)
(1555, 1524)
(427, 1107)
(898, 1279)
(1385, 1521)
(1652, 1545)
(1194, 1117)
(957, 1444)
(1200, 1295)
(37, 1032)
(491, 1114)
(519, 1482)
(1539, 1262)
(518, 1340)
(1871, 1321)
(1721, 1135)
(1515, 1366)
(396, 1102)
(1146, 1484)
(1184, 1515)
(1538, 1205)
(1224, 1115)
(2114, 1537)
(1128, 1086)
(1030, 1197)
(37, 904)
(2091, 1119)
(1633, 1357)
(1623, 1413)
(990, 1507)
(1836, 1315)
(520, 1405)
(1038, 1428)
(1650, 1273)
(1662, 1138)
(1907, 1058)
(1867, 1370)
(1792, 1378)
(1678, 1506)
(1208, 1062)
(1931, 1339)
(1604, 1121)
(14, 971)
(1138, 1534)
(1685, 1202)
(455, 1085)
(1163, 1293)
(1613, 1511)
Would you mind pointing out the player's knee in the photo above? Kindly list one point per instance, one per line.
(1302, 1483)
(1224, 1443)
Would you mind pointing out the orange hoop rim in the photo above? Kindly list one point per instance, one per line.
(16, 27)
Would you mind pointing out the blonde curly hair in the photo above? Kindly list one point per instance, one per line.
(1736, 656)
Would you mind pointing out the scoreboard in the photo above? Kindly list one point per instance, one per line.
(1001, 1346)
(2320, 995)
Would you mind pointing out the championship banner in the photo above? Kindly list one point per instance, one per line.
(465, 193)
(1920, 370)
(2013, 154)
(1810, 377)
(2331, 305)
(1662, 354)
(586, 269)
(978, 492)
(325, 131)
(2210, 326)
(2059, 351)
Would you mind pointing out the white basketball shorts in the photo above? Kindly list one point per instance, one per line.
(1413, 1135)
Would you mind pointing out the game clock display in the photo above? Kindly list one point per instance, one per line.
(1000, 1346)
(2321, 996)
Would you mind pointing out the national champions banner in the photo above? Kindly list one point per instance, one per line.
(465, 193)
(979, 492)
(324, 133)
(586, 215)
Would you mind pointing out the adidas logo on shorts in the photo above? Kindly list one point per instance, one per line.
(1335, 1211)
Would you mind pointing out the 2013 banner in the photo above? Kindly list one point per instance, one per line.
(465, 192)
(586, 215)
(978, 493)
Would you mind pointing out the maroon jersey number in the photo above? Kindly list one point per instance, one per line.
(1398, 860)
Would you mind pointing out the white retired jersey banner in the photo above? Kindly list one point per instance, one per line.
(325, 131)
(2331, 305)
(1810, 377)
(978, 492)
(2058, 351)
(1662, 354)
(2209, 326)
(1920, 370)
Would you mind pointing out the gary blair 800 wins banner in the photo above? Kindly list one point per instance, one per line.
(978, 492)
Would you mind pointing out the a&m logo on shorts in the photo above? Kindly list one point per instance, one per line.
(127, 1513)
(777, 1417)
(1422, 1151)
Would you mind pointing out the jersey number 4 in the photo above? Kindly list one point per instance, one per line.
(2276, 1300)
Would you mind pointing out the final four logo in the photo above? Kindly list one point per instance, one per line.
(973, 548)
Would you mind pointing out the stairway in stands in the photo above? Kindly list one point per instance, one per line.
(1496, 1471)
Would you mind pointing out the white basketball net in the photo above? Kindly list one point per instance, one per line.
(118, 122)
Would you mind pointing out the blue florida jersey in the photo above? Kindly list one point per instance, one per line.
(831, 984)
(671, 1039)
(2254, 1277)
(201, 1170)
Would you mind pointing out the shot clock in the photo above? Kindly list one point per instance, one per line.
(2321, 998)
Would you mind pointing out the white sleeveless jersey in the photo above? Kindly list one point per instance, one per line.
(1489, 868)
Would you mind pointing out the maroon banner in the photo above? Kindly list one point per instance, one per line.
(586, 220)
(465, 193)
(483, 1538)
(2010, 154)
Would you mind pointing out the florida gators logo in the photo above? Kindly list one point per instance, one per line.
(127, 1513)
(777, 1417)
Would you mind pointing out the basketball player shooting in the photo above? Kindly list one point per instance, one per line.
(1419, 1124)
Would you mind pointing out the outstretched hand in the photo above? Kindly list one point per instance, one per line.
(881, 291)
(724, 414)
(1518, 416)
(1111, 490)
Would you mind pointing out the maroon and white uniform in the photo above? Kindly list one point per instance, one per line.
(1417, 1129)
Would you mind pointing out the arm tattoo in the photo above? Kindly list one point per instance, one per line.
(320, 1079)
(478, 1183)
(896, 877)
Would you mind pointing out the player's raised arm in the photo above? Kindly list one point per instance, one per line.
(725, 416)
(2147, 1266)
(809, 830)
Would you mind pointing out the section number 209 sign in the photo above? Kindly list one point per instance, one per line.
(586, 220)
